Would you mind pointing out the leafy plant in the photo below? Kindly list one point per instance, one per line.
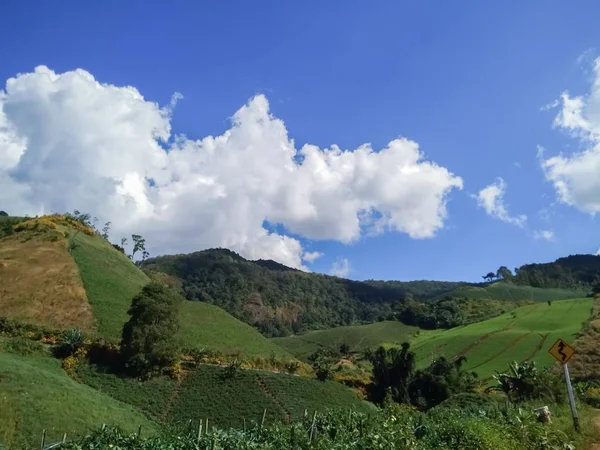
(70, 341)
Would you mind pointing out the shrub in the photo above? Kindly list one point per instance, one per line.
(70, 341)
(292, 366)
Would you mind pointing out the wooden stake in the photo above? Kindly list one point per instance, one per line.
(139, 431)
(64, 438)
(199, 431)
(43, 439)
(262, 422)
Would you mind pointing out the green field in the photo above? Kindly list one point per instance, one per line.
(506, 291)
(358, 337)
(36, 394)
(523, 334)
(111, 280)
(226, 402)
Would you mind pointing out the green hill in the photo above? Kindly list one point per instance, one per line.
(507, 291)
(36, 394)
(91, 288)
(523, 334)
(358, 337)
(205, 392)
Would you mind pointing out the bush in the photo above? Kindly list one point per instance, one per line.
(70, 341)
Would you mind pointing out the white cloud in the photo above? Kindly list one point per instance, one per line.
(491, 199)
(598, 252)
(69, 142)
(575, 176)
(340, 267)
(547, 235)
(311, 257)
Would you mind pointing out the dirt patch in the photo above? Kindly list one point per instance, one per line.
(40, 283)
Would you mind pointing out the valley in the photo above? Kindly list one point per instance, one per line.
(258, 342)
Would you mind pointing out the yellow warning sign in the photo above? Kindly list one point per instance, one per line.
(562, 351)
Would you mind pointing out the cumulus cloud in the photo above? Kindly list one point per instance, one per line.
(70, 142)
(491, 199)
(340, 267)
(575, 175)
(311, 257)
(547, 235)
(598, 252)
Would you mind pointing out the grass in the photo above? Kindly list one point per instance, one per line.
(513, 292)
(205, 325)
(358, 337)
(226, 402)
(523, 334)
(111, 280)
(41, 283)
(37, 394)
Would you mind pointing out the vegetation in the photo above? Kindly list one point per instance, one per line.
(37, 394)
(445, 428)
(207, 392)
(575, 271)
(523, 334)
(357, 338)
(148, 340)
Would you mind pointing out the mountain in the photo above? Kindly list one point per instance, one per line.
(574, 271)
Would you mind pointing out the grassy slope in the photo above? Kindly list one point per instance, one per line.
(225, 402)
(111, 281)
(358, 337)
(37, 394)
(526, 333)
(506, 291)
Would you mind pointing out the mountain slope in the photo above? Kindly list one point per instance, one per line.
(358, 337)
(37, 394)
(92, 287)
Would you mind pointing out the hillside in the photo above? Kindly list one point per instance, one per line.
(91, 288)
(507, 291)
(205, 392)
(358, 337)
(37, 394)
(574, 271)
(523, 334)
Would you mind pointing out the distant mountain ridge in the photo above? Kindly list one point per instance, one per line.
(279, 300)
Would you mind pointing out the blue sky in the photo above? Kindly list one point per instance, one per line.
(465, 80)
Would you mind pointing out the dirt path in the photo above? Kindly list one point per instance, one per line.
(173, 398)
(286, 414)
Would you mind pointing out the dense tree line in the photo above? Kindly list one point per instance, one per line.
(575, 271)
(275, 298)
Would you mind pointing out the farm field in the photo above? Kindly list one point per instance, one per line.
(37, 394)
(523, 334)
(358, 337)
(226, 402)
(513, 292)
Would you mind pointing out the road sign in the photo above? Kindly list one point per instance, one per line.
(561, 351)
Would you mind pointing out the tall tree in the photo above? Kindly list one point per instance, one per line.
(139, 244)
(149, 337)
(504, 273)
(3, 214)
(106, 230)
(489, 277)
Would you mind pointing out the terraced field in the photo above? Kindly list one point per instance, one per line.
(512, 292)
(205, 393)
(358, 337)
(523, 334)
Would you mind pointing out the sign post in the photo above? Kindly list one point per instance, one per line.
(562, 352)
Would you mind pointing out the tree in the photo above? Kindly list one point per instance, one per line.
(106, 230)
(139, 244)
(489, 277)
(149, 337)
(3, 214)
(504, 273)
(344, 349)
(392, 370)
